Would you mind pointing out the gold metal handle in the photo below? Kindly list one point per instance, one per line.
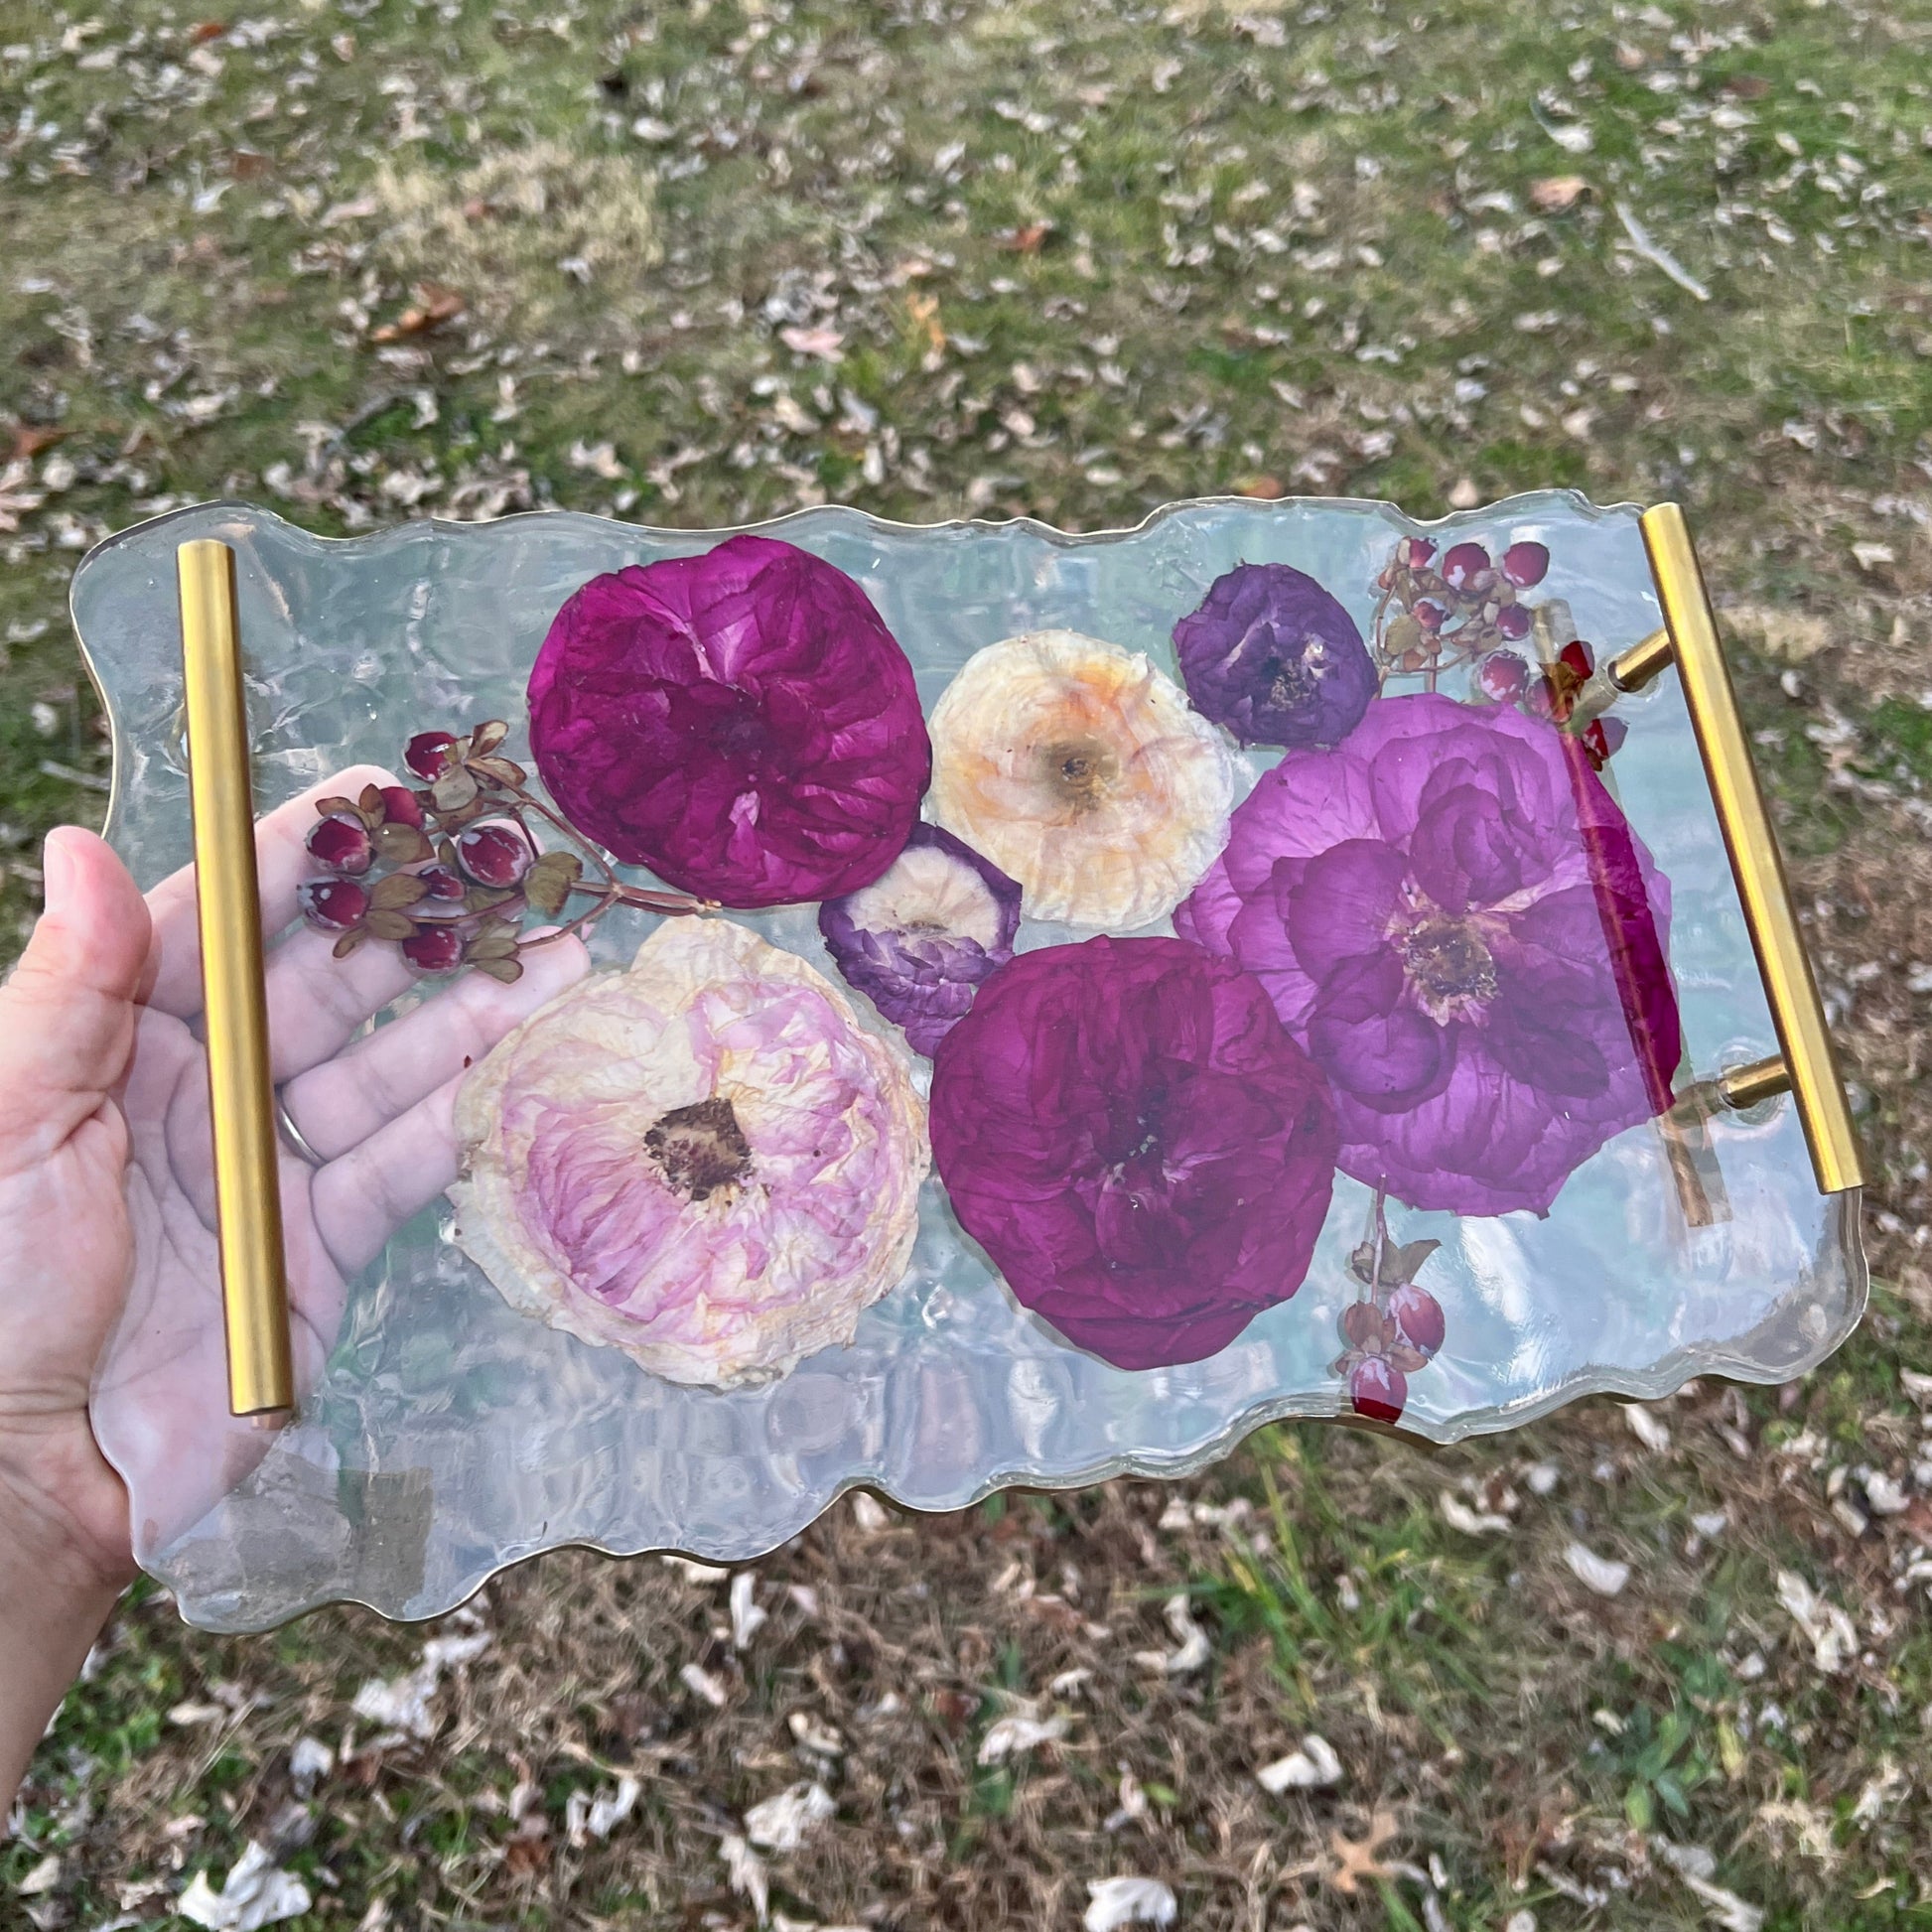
(242, 1098)
(1804, 1042)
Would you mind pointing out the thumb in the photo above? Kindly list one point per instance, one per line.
(66, 1014)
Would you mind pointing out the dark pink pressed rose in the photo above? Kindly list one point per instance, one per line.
(434, 949)
(440, 883)
(428, 752)
(401, 806)
(1131, 1136)
(333, 904)
(742, 723)
(1418, 1318)
(495, 854)
(1452, 916)
(1378, 1389)
(342, 843)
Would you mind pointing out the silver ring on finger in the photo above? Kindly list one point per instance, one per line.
(297, 1140)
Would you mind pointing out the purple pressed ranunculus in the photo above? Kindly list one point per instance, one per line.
(742, 722)
(1274, 658)
(1128, 1130)
(919, 939)
(1452, 916)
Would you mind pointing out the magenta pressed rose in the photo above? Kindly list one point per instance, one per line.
(742, 723)
(1128, 1130)
(1451, 914)
(1274, 658)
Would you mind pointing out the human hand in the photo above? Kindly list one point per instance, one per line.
(106, 1191)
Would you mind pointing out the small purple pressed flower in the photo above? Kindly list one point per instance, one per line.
(1274, 658)
(742, 722)
(1451, 914)
(1130, 1133)
(342, 843)
(919, 940)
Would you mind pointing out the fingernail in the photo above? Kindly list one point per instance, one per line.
(56, 870)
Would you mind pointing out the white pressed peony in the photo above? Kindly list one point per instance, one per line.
(704, 1161)
(1083, 771)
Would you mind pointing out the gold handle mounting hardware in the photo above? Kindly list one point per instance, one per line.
(241, 1099)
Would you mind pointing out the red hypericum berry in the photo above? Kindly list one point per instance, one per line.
(1463, 564)
(1418, 1318)
(340, 843)
(1416, 552)
(428, 752)
(1502, 676)
(1579, 657)
(434, 949)
(1378, 1389)
(1524, 563)
(495, 854)
(333, 904)
(401, 806)
(1513, 621)
(442, 882)
(1542, 700)
(1429, 615)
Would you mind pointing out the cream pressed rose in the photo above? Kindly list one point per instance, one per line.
(1083, 771)
(704, 1161)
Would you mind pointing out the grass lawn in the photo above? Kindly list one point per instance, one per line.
(698, 263)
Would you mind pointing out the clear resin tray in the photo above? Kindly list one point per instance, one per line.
(1381, 1034)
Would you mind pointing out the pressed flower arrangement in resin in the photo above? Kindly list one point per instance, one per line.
(956, 1006)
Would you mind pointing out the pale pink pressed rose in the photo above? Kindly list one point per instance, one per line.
(704, 1161)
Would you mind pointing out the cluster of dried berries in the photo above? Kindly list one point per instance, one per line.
(1434, 615)
(1394, 1329)
(1555, 692)
(447, 870)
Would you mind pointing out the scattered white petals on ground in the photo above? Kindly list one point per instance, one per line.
(196, 1713)
(779, 1824)
(1710, 1522)
(1886, 1494)
(1113, 1902)
(1647, 1427)
(1194, 1648)
(869, 1512)
(1695, 1865)
(697, 1573)
(1312, 1767)
(256, 1892)
(1834, 1640)
(1916, 1385)
(1880, 1793)
(402, 1703)
(586, 1818)
(1070, 1682)
(43, 1878)
(701, 1683)
(814, 1733)
(1605, 1575)
(744, 1871)
(1543, 1477)
(309, 1760)
(746, 1613)
(1019, 1732)
(1133, 1803)
(1471, 1522)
